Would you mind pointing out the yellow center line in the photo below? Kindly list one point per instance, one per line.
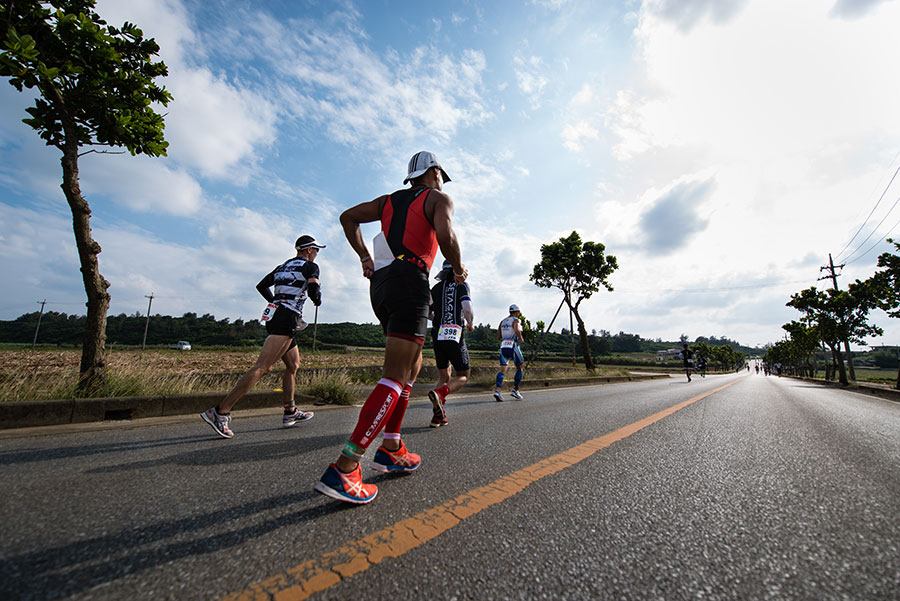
(318, 574)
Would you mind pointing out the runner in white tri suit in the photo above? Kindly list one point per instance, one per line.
(294, 281)
(510, 335)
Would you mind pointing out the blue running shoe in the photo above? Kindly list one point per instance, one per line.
(346, 487)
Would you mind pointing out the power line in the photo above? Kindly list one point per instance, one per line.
(868, 250)
(850, 258)
(849, 242)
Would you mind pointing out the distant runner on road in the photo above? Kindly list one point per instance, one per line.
(687, 356)
(452, 310)
(509, 333)
(294, 281)
(415, 221)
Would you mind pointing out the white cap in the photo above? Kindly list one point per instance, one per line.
(513, 308)
(421, 162)
(307, 242)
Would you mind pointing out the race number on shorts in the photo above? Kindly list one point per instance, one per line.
(268, 312)
(450, 332)
(507, 343)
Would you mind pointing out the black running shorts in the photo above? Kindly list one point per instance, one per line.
(400, 298)
(447, 352)
(283, 323)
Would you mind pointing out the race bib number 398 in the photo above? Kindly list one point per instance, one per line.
(450, 332)
(507, 343)
(268, 312)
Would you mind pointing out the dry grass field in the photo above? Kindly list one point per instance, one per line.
(52, 373)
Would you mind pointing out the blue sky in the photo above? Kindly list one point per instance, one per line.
(720, 150)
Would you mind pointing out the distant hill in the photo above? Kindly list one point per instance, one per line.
(206, 330)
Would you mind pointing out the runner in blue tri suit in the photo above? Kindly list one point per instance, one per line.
(510, 335)
(294, 281)
(452, 316)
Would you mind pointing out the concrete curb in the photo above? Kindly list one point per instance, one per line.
(75, 411)
(890, 394)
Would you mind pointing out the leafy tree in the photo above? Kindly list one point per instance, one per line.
(837, 315)
(578, 270)
(804, 342)
(528, 332)
(885, 359)
(884, 286)
(94, 85)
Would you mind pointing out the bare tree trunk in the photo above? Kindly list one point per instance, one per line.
(842, 372)
(585, 346)
(898, 377)
(92, 375)
(850, 360)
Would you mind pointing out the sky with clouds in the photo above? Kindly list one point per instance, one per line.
(719, 149)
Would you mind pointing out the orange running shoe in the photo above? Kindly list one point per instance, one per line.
(400, 460)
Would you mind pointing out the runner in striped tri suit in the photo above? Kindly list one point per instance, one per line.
(452, 308)
(414, 222)
(509, 334)
(295, 280)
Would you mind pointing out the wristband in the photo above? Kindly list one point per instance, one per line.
(460, 275)
(366, 258)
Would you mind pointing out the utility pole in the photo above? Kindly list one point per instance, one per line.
(833, 276)
(147, 322)
(38, 326)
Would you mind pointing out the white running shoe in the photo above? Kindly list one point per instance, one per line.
(498, 397)
(515, 394)
(220, 423)
(295, 416)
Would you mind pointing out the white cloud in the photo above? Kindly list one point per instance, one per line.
(551, 4)
(688, 13)
(213, 125)
(574, 134)
(330, 78)
(795, 128)
(790, 95)
(530, 78)
(142, 184)
(854, 9)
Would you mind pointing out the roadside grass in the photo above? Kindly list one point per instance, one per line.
(335, 388)
(23, 385)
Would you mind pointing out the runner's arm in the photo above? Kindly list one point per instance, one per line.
(518, 332)
(446, 237)
(264, 285)
(365, 212)
(310, 271)
(468, 310)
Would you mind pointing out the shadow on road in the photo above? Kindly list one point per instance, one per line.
(68, 569)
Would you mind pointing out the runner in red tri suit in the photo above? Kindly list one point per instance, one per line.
(414, 222)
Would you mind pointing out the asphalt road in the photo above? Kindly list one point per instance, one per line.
(764, 488)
